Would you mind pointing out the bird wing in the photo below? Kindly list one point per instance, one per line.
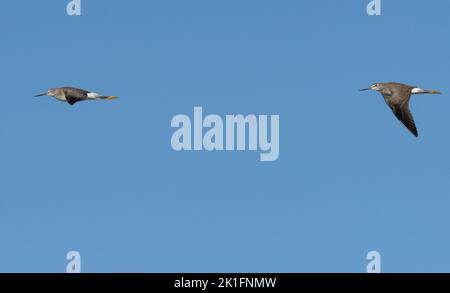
(72, 99)
(75, 91)
(403, 114)
(398, 100)
(74, 95)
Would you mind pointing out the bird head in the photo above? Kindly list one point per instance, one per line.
(374, 87)
(50, 92)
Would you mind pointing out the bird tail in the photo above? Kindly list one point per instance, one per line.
(421, 91)
(433, 92)
(108, 97)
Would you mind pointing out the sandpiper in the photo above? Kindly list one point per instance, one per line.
(397, 96)
(73, 95)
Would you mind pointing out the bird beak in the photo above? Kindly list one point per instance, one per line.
(40, 95)
(435, 92)
(365, 89)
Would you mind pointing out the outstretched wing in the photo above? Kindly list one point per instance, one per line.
(74, 95)
(72, 100)
(397, 97)
(403, 114)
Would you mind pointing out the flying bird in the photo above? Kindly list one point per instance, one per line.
(73, 95)
(397, 96)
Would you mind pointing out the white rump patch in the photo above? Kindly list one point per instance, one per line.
(417, 90)
(93, 95)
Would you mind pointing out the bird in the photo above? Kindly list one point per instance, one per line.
(397, 96)
(73, 95)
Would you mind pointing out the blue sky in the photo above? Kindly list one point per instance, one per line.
(102, 178)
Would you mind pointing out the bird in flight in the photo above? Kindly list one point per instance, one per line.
(73, 95)
(397, 96)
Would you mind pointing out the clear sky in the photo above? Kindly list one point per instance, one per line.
(101, 177)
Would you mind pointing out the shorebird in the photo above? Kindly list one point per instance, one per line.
(397, 96)
(73, 95)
